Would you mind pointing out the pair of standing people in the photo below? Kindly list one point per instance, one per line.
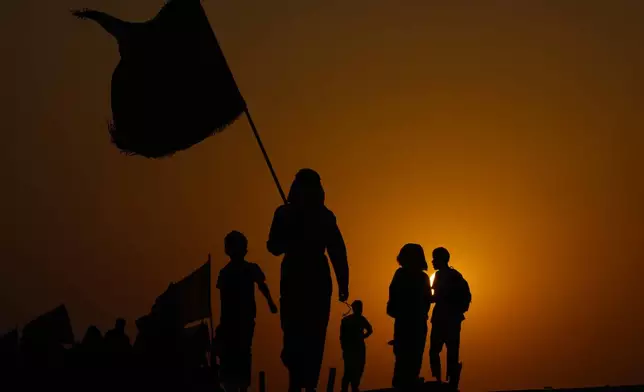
(410, 296)
(302, 231)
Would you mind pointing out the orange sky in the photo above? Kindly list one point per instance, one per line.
(509, 132)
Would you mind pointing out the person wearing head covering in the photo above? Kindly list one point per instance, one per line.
(354, 329)
(302, 231)
(408, 305)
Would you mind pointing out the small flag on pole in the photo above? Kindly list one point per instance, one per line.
(190, 297)
(53, 326)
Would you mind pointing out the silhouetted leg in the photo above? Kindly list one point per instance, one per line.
(453, 343)
(305, 297)
(359, 369)
(402, 354)
(294, 385)
(409, 344)
(246, 356)
(419, 348)
(235, 354)
(304, 323)
(436, 341)
(291, 341)
(345, 381)
(316, 340)
(353, 367)
(346, 376)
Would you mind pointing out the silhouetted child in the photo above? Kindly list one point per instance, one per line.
(354, 329)
(452, 297)
(236, 284)
(409, 302)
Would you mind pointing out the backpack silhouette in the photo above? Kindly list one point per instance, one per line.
(462, 294)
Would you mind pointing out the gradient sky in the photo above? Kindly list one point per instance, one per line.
(510, 132)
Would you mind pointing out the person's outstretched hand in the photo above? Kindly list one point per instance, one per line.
(344, 295)
(273, 307)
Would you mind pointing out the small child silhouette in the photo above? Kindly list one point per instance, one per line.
(354, 329)
(236, 284)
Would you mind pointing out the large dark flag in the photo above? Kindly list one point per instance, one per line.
(190, 297)
(53, 327)
(172, 87)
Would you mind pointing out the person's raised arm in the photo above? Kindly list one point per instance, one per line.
(338, 254)
(276, 243)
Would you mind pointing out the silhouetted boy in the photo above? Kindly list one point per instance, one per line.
(236, 283)
(354, 329)
(452, 297)
(409, 301)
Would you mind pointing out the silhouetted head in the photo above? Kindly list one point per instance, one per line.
(357, 307)
(92, 336)
(306, 188)
(120, 324)
(440, 258)
(412, 256)
(236, 245)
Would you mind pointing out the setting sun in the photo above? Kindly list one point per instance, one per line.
(431, 281)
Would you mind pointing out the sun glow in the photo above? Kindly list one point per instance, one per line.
(431, 281)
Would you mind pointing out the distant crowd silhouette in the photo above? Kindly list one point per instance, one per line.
(168, 356)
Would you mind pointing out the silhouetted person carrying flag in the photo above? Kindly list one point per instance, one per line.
(236, 283)
(409, 302)
(302, 231)
(354, 329)
(452, 297)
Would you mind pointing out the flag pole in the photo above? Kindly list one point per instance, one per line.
(212, 330)
(268, 161)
